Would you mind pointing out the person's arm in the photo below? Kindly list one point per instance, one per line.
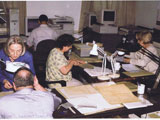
(65, 69)
(3, 78)
(37, 86)
(30, 39)
(142, 59)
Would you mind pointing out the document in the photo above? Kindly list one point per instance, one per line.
(140, 104)
(92, 103)
(97, 71)
(130, 68)
(89, 99)
(116, 94)
(77, 91)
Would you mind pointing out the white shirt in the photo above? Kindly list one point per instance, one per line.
(43, 32)
(142, 60)
(28, 103)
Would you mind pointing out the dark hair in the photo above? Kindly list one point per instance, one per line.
(64, 40)
(43, 18)
(23, 80)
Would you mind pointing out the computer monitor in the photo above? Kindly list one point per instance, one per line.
(30, 24)
(106, 16)
(92, 19)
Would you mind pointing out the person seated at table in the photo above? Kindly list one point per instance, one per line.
(13, 54)
(30, 99)
(57, 66)
(138, 58)
(43, 32)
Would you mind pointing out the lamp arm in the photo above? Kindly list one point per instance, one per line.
(150, 55)
(101, 50)
(112, 65)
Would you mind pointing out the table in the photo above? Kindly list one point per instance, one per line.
(79, 72)
(63, 113)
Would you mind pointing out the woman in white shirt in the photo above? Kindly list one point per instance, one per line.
(138, 58)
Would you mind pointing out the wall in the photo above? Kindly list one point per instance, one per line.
(146, 13)
(51, 8)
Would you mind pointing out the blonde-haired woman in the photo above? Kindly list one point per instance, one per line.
(138, 58)
(14, 52)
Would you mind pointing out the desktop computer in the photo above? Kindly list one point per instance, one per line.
(106, 28)
(13, 22)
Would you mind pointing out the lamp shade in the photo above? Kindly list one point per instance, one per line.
(94, 50)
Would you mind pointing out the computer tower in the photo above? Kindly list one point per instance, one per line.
(13, 22)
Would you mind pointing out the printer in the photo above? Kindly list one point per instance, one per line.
(64, 24)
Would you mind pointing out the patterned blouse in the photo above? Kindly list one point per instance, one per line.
(56, 60)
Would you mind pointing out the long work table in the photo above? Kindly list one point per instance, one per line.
(79, 73)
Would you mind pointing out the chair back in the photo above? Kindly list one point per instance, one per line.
(40, 58)
(45, 46)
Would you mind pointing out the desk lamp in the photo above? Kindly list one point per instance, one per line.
(95, 50)
(145, 52)
(156, 60)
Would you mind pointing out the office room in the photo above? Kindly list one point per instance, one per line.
(79, 59)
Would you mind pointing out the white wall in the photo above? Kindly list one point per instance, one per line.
(51, 8)
(146, 13)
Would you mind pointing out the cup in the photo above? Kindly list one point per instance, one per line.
(141, 89)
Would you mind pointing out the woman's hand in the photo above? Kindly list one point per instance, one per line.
(7, 84)
(78, 62)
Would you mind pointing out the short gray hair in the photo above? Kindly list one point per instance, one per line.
(25, 79)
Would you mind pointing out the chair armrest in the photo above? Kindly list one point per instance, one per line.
(62, 82)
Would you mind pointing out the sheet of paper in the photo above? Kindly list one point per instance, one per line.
(130, 68)
(77, 91)
(140, 104)
(116, 94)
(92, 103)
(97, 71)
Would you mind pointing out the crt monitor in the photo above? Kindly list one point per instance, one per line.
(107, 16)
(30, 24)
(92, 19)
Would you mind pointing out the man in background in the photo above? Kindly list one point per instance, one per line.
(30, 100)
(41, 33)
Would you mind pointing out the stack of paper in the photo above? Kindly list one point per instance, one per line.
(97, 71)
(89, 99)
(86, 99)
(130, 68)
(140, 104)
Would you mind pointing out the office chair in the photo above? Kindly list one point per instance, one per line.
(40, 58)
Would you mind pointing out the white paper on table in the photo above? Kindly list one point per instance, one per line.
(97, 71)
(133, 105)
(130, 68)
(91, 100)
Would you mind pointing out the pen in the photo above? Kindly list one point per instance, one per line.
(72, 110)
(89, 106)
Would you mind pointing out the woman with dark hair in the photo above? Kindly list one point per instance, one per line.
(14, 55)
(57, 66)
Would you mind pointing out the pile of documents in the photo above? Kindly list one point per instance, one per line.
(89, 99)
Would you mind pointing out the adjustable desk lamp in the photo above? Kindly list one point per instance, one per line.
(132, 42)
(156, 60)
(95, 51)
